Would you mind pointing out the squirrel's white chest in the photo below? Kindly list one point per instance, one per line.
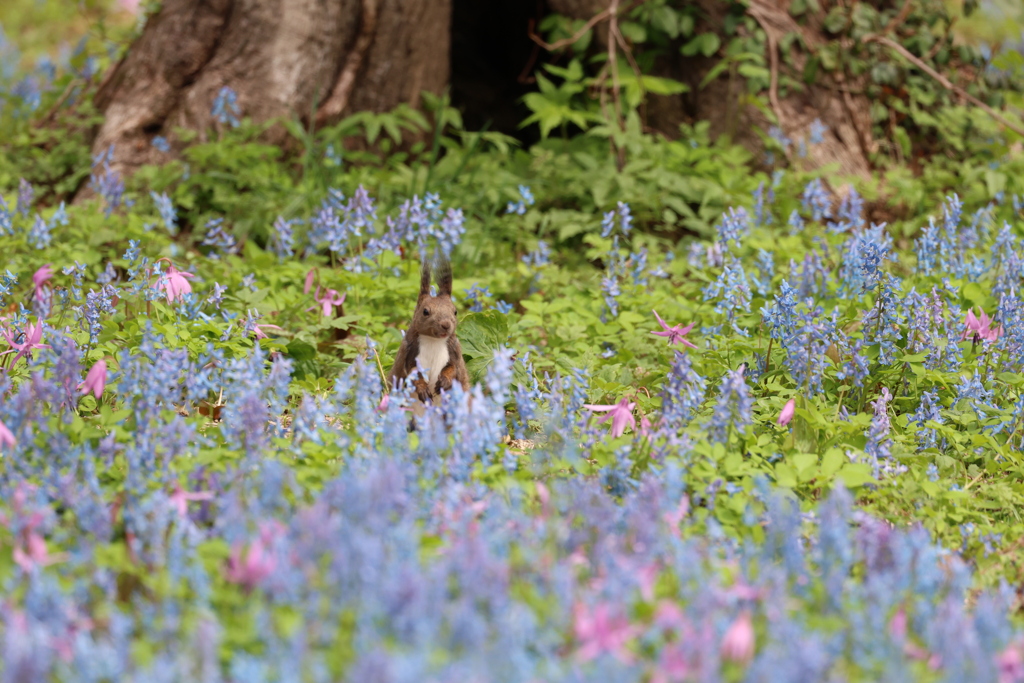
(433, 356)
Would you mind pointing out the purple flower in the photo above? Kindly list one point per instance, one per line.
(675, 335)
(620, 414)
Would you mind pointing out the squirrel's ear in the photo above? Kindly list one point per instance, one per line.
(443, 274)
(425, 279)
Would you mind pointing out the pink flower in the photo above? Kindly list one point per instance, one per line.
(35, 553)
(620, 414)
(174, 283)
(41, 277)
(675, 517)
(786, 416)
(95, 379)
(673, 665)
(601, 630)
(898, 624)
(981, 327)
(676, 335)
(6, 436)
(1011, 664)
(130, 6)
(33, 335)
(738, 641)
(180, 499)
(257, 330)
(645, 427)
(329, 299)
(309, 281)
(250, 569)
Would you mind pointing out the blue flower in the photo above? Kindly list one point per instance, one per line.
(818, 130)
(525, 200)
(734, 409)
(225, 107)
(816, 200)
(167, 212)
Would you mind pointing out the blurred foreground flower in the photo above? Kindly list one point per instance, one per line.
(738, 642)
(252, 568)
(181, 498)
(599, 631)
(6, 437)
(35, 553)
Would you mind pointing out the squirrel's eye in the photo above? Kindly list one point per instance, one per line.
(455, 312)
(426, 311)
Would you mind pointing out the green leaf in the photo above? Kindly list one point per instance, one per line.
(481, 334)
(784, 475)
(635, 32)
(854, 474)
(836, 20)
(300, 350)
(706, 44)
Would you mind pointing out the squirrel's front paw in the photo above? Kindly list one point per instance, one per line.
(423, 392)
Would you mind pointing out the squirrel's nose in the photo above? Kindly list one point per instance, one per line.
(446, 326)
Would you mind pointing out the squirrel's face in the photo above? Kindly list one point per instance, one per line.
(435, 316)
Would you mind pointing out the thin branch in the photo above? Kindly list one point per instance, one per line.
(943, 81)
(594, 21)
(565, 42)
(48, 118)
(621, 40)
(334, 105)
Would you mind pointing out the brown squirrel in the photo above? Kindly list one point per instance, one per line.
(431, 339)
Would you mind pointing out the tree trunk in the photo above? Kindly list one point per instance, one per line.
(283, 58)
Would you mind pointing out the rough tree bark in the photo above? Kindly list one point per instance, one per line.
(282, 58)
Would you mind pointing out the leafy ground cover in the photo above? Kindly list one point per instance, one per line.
(723, 428)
